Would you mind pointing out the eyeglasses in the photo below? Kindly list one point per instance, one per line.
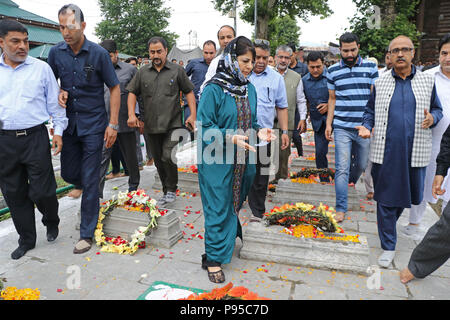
(403, 50)
(262, 41)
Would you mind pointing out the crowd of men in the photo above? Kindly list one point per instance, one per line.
(383, 122)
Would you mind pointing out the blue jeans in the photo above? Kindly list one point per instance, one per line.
(348, 142)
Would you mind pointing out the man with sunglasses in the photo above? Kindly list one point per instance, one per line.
(84, 68)
(402, 109)
(272, 100)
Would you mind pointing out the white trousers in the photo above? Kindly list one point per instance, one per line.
(416, 212)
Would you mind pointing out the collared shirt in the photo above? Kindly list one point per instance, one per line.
(271, 93)
(300, 68)
(316, 92)
(442, 88)
(212, 70)
(86, 104)
(197, 69)
(352, 87)
(29, 96)
(161, 95)
(300, 97)
(125, 72)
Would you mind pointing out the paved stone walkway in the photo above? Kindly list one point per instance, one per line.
(112, 276)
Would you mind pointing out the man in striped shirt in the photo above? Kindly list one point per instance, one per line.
(350, 82)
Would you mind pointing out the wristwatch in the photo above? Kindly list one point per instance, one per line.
(114, 126)
(285, 132)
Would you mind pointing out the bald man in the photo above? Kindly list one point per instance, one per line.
(402, 110)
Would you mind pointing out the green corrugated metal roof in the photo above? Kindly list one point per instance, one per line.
(40, 52)
(44, 35)
(14, 11)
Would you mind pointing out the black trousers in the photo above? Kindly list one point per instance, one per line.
(434, 250)
(258, 191)
(27, 179)
(127, 143)
(161, 147)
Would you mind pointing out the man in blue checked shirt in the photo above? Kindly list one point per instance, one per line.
(28, 98)
(350, 82)
(84, 68)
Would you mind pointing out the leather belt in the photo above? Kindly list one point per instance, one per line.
(22, 133)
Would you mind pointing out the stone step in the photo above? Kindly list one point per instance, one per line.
(187, 182)
(269, 244)
(315, 194)
(299, 163)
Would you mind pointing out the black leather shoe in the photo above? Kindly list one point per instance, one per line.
(20, 252)
(52, 233)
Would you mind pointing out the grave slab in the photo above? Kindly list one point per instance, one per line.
(187, 182)
(291, 192)
(121, 222)
(299, 163)
(269, 244)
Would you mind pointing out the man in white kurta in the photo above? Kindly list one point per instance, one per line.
(442, 82)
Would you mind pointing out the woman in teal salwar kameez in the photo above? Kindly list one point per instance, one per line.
(228, 103)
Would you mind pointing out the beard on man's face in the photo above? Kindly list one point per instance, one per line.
(349, 61)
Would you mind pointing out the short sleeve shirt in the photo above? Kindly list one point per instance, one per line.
(83, 76)
(160, 92)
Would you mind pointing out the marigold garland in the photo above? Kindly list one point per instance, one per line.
(12, 293)
(133, 201)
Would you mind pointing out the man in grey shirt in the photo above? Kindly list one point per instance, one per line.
(125, 135)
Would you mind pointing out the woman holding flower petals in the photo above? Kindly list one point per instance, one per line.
(226, 117)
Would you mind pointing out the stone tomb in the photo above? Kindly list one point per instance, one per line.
(187, 182)
(269, 244)
(121, 222)
(315, 194)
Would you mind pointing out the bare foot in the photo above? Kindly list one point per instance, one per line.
(340, 216)
(75, 193)
(406, 276)
(112, 176)
(370, 196)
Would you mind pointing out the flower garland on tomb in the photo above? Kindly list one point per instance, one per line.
(306, 221)
(133, 201)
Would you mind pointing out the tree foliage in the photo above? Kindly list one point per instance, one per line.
(268, 10)
(397, 17)
(283, 30)
(131, 23)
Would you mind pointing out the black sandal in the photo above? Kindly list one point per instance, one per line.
(215, 277)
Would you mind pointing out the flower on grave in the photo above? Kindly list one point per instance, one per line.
(12, 293)
(122, 198)
(226, 293)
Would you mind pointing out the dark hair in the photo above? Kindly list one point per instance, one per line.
(131, 59)
(155, 40)
(292, 46)
(314, 56)
(444, 40)
(262, 44)
(109, 45)
(8, 25)
(210, 42)
(226, 26)
(75, 9)
(348, 37)
(244, 45)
